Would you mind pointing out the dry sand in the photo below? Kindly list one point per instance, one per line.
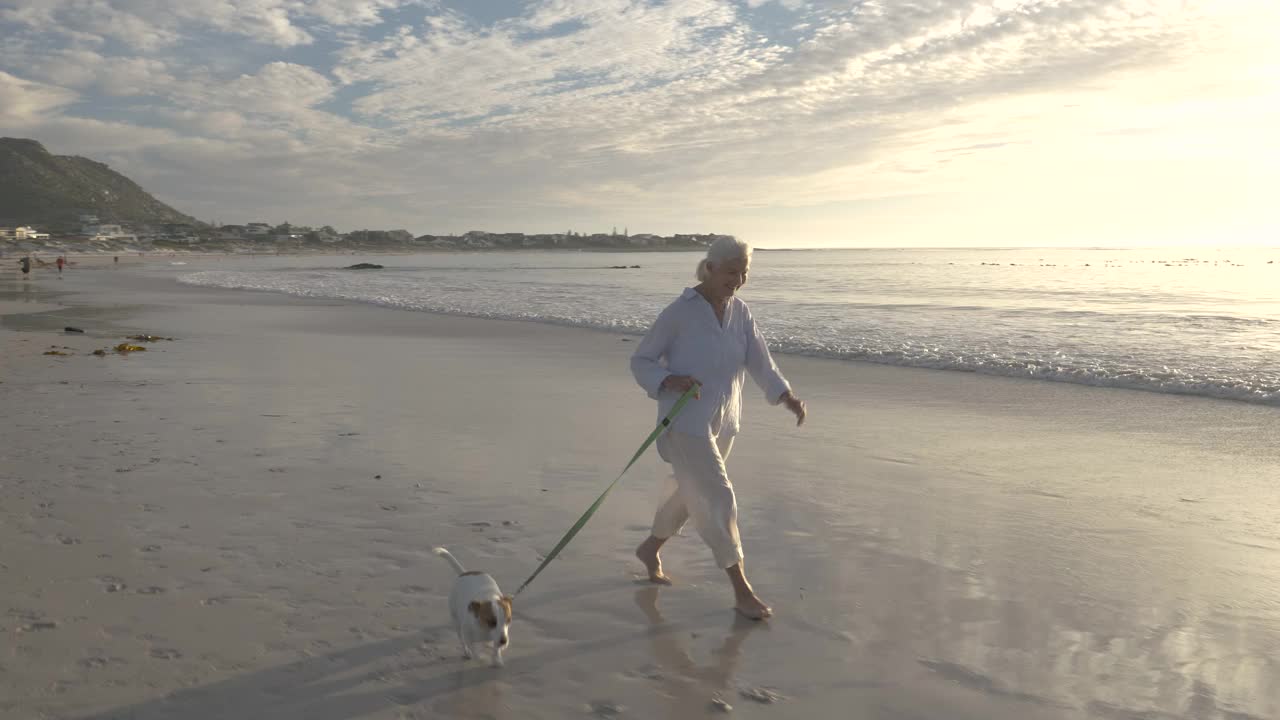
(237, 524)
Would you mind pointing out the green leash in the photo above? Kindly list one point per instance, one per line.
(582, 521)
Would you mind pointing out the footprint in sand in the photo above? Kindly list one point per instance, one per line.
(97, 661)
(718, 704)
(68, 540)
(150, 590)
(647, 672)
(605, 708)
(150, 548)
(165, 653)
(762, 695)
(111, 583)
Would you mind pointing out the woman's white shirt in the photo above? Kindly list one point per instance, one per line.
(687, 339)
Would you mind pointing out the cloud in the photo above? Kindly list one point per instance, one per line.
(24, 103)
(621, 59)
(420, 109)
(358, 12)
(151, 25)
(279, 87)
(789, 4)
(89, 70)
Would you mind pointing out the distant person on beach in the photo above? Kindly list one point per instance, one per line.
(115, 259)
(707, 338)
(25, 262)
(61, 262)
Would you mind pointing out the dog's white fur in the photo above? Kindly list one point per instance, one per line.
(481, 613)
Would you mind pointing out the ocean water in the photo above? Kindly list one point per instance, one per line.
(1197, 321)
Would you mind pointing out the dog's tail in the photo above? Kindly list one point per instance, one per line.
(449, 557)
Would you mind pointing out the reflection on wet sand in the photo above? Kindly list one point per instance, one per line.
(686, 683)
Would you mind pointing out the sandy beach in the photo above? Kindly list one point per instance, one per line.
(237, 523)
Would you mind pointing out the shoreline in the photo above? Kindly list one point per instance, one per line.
(1112, 384)
(936, 544)
(1146, 380)
(248, 251)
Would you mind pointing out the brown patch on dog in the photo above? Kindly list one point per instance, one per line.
(505, 602)
(484, 613)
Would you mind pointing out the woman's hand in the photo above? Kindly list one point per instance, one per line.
(795, 405)
(681, 384)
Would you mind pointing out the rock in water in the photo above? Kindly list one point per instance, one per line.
(364, 266)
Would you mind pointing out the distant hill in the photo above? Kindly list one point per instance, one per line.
(37, 188)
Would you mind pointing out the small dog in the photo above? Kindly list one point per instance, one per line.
(481, 613)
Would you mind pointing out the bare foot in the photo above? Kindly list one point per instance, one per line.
(648, 554)
(753, 607)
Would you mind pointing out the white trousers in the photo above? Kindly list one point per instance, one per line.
(703, 492)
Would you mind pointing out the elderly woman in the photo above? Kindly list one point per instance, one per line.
(706, 339)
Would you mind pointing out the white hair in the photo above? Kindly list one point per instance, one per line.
(724, 249)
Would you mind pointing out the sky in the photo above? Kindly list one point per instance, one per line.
(789, 123)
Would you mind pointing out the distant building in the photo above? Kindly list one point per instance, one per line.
(232, 232)
(22, 232)
(107, 230)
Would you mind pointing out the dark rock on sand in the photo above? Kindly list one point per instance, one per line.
(364, 266)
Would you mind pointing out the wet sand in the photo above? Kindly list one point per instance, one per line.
(237, 523)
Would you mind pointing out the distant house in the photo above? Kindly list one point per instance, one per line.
(508, 238)
(476, 238)
(257, 229)
(108, 230)
(177, 231)
(232, 232)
